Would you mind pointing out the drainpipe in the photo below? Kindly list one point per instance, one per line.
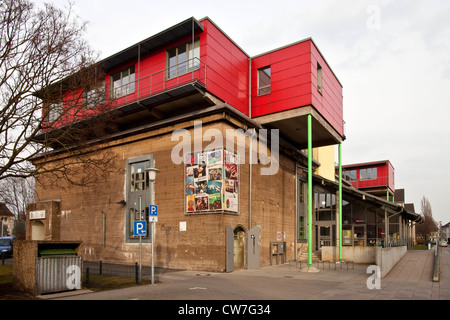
(309, 190)
(250, 160)
(340, 202)
(296, 210)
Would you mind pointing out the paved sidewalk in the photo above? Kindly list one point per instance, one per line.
(410, 279)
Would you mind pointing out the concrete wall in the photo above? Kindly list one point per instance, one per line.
(355, 254)
(201, 246)
(387, 258)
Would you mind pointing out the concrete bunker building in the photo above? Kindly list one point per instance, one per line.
(216, 212)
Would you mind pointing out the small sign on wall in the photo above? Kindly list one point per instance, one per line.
(182, 225)
(40, 214)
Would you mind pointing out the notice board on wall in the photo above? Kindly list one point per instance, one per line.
(212, 182)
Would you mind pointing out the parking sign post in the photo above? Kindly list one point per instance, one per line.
(153, 217)
(140, 229)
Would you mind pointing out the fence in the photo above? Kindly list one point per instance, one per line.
(52, 273)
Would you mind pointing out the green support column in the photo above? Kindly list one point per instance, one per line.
(310, 190)
(340, 203)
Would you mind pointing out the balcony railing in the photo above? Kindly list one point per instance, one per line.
(194, 71)
(379, 181)
(142, 89)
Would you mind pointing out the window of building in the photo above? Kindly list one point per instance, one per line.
(94, 95)
(319, 78)
(325, 206)
(55, 111)
(349, 175)
(184, 58)
(123, 83)
(139, 195)
(301, 211)
(368, 174)
(264, 79)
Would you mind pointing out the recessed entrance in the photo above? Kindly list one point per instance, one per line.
(239, 248)
(37, 230)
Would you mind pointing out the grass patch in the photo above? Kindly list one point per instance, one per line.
(420, 247)
(96, 283)
(101, 282)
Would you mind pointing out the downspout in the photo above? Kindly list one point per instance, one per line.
(340, 202)
(309, 190)
(139, 72)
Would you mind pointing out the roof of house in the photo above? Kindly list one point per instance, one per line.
(4, 211)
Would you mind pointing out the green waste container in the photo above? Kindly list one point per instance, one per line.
(57, 252)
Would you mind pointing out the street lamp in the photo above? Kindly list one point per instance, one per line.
(152, 177)
(152, 174)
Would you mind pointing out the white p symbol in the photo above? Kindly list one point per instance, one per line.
(374, 281)
(140, 228)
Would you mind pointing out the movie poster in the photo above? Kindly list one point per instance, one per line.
(212, 182)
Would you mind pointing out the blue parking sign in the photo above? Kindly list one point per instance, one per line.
(140, 228)
(153, 210)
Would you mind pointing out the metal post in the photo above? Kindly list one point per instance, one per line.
(153, 256)
(340, 202)
(309, 191)
(140, 242)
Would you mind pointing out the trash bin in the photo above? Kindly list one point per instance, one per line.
(47, 266)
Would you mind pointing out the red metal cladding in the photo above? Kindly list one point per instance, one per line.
(224, 71)
(384, 176)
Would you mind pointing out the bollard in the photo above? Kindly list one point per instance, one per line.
(137, 273)
(87, 277)
(100, 268)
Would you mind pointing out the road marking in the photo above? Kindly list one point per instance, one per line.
(197, 288)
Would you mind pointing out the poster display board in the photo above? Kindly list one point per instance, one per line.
(212, 182)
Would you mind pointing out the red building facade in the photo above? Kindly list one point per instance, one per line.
(198, 57)
(373, 177)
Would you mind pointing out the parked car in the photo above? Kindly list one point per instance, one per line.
(6, 245)
(443, 243)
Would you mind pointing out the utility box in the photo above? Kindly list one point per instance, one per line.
(47, 266)
(278, 250)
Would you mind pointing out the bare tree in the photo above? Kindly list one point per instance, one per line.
(429, 225)
(48, 79)
(17, 193)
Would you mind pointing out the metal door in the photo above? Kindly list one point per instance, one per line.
(229, 249)
(253, 244)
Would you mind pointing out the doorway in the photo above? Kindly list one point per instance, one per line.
(37, 230)
(359, 235)
(239, 247)
(325, 235)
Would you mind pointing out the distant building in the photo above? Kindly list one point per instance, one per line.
(377, 178)
(7, 221)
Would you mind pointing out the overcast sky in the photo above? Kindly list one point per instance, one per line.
(392, 58)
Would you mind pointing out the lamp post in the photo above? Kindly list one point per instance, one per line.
(152, 177)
